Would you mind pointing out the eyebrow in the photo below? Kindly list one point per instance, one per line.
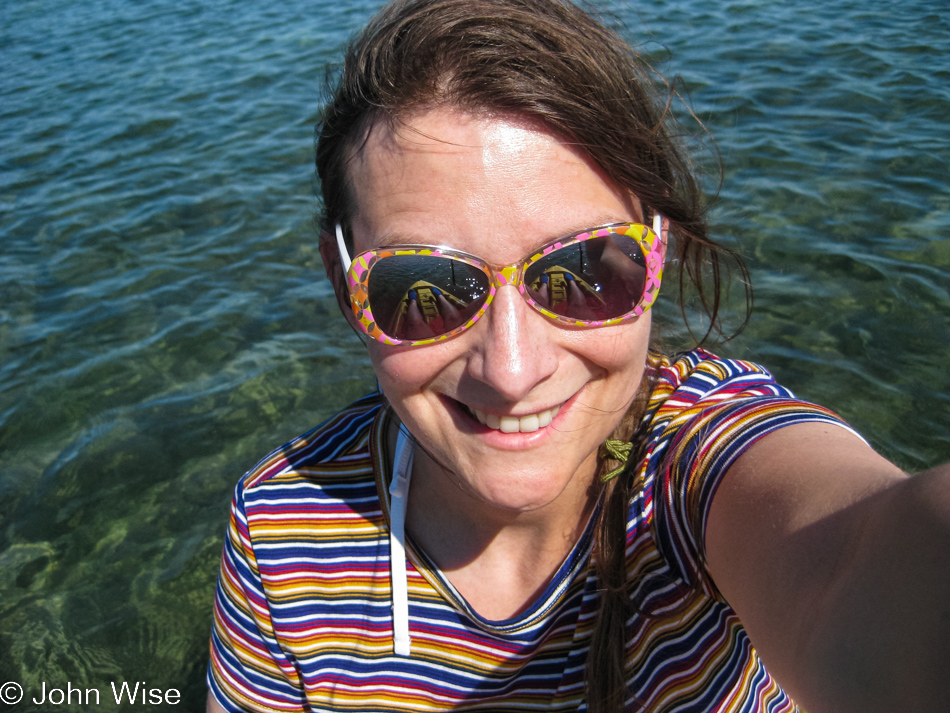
(391, 240)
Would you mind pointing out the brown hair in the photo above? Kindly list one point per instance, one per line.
(553, 63)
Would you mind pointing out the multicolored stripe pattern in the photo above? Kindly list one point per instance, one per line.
(303, 617)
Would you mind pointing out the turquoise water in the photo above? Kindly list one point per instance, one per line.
(164, 321)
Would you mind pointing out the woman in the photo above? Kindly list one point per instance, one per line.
(538, 511)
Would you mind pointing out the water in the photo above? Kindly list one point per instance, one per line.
(164, 321)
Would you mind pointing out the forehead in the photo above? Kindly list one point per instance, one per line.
(487, 185)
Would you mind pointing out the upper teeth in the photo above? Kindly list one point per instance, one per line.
(514, 424)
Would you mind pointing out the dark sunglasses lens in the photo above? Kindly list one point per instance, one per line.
(416, 297)
(594, 280)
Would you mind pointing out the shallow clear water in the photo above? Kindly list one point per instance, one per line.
(164, 321)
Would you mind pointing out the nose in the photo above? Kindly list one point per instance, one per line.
(514, 351)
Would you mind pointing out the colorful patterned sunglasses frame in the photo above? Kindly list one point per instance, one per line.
(358, 271)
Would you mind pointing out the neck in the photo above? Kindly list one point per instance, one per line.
(499, 559)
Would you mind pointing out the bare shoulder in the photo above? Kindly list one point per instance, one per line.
(831, 556)
(796, 477)
(787, 516)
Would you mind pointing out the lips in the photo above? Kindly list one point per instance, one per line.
(516, 424)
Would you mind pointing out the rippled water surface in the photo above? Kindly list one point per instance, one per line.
(164, 322)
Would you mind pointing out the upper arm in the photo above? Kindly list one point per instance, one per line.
(819, 544)
(248, 668)
(212, 705)
(786, 512)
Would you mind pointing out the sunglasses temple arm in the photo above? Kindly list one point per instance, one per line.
(658, 229)
(344, 255)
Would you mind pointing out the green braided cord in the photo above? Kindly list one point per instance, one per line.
(618, 450)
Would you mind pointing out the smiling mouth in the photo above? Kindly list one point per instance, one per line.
(515, 424)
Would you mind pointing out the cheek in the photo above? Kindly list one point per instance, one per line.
(405, 370)
(621, 363)
(632, 352)
(393, 368)
(615, 351)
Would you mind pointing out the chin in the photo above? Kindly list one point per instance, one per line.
(516, 482)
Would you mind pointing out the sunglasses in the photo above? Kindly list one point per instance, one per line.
(420, 294)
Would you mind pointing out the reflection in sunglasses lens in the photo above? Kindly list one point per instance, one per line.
(592, 280)
(416, 297)
(424, 296)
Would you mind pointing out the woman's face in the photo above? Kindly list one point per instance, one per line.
(498, 189)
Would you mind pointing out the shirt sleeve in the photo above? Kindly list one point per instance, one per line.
(248, 669)
(719, 410)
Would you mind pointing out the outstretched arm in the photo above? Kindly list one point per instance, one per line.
(211, 706)
(838, 565)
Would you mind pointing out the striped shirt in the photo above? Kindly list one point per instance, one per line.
(303, 618)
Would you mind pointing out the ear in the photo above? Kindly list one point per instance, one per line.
(334, 269)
